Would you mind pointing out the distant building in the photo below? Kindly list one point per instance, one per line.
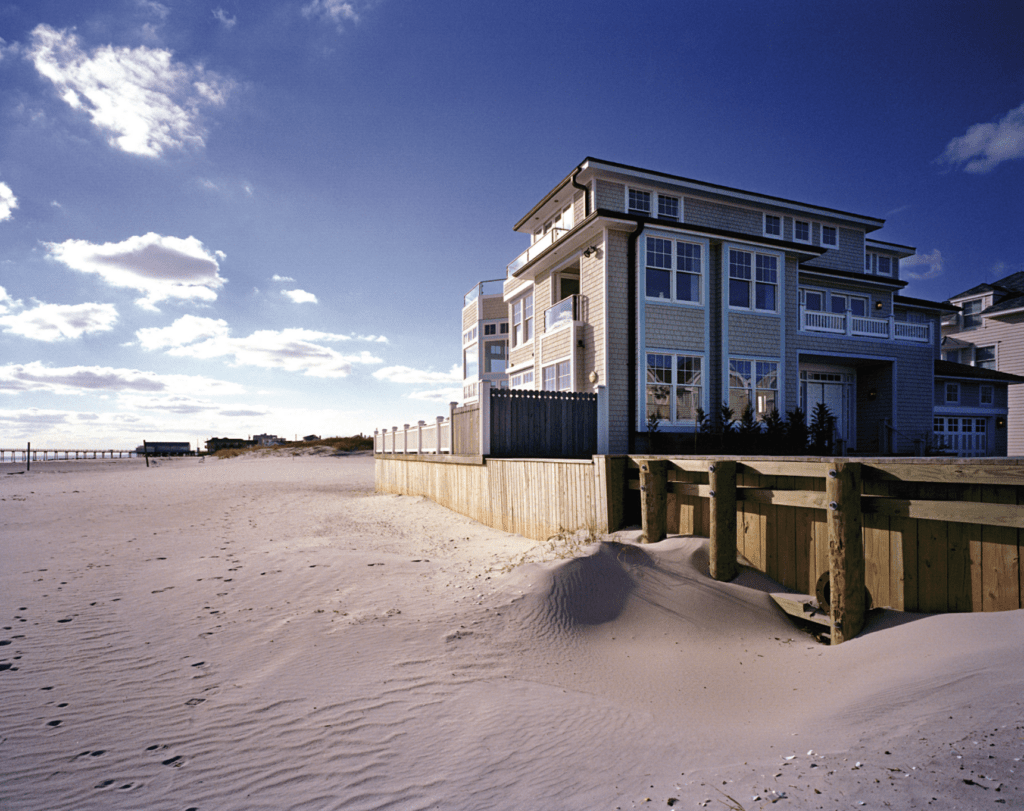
(218, 443)
(310, 438)
(267, 440)
(165, 449)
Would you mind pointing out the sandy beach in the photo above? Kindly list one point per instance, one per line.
(269, 633)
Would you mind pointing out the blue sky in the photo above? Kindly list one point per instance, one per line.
(228, 218)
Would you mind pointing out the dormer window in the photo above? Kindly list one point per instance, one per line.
(802, 231)
(668, 207)
(639, 202)
(877, 264)
(772, 226)
(829, 236)
(971, 313)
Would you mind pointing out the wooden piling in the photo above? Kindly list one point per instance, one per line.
(653, 499)
(845, 549)
(722, 547)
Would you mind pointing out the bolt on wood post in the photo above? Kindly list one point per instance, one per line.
(845, 550)
(653, 499)
(722, 548)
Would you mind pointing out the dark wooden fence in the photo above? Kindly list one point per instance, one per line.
(543, 424)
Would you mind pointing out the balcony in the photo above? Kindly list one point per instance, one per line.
(537, 248)
(883, 329)
(492, 287)
(562, 314)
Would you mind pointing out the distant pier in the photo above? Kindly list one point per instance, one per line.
(44, 455)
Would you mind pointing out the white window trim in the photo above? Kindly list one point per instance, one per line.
(753, 379)
(871, 264)
(555, 364)
(674, 425)
(995, 355)
(513, 344)
(780, 269)
(764, 225)
(810, 231)
(653, 200)
(519, 373)
(679, 204)
(821, 236)
(672, 299)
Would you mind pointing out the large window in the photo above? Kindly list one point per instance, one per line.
(753, 281)
(557, 377)
(522, 319)
(674, 384)
(755, 383)
(674, 270)
(470, 364)
(495, 356)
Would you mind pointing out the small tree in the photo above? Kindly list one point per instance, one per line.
(653, 428)
(796, 432)
(727, 423)
(774, 432)
(823, 427)
(748, 431)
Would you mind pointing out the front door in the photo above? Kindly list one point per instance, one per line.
(834, 388)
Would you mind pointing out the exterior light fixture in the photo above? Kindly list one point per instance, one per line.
(590, 251)
(878, 304)
(1000, 422)
(873, 394)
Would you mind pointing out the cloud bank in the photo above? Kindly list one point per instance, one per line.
(985, 146)
(56, 322)
(65, 380)
(159, 266)
(141, 97)
(292, 350)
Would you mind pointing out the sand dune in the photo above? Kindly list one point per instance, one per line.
(270, 634)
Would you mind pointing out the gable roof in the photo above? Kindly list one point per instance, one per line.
(945, 368)
(1012, 285)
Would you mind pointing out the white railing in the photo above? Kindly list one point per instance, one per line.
(537, 248)
(863, 327)
(423, 437)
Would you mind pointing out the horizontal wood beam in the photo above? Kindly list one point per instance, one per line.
(960, 512)
(1010, 473)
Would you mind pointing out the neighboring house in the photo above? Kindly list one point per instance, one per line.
(970, 409)
(267, 440)
(218, 443)
(675, 294)
(165, 449)
(988, 333)
(310, 438)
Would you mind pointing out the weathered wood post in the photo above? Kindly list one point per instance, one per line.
(145, 450)
(845, 550)
(722, 547)
(451, 426)
(609, 490)
(28, 457)
(653, 499)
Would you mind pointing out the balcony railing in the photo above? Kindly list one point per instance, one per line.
(863, 327)
(537, 248)
(491, 287)
(562, 314)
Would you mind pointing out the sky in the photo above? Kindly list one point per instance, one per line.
(224, 218)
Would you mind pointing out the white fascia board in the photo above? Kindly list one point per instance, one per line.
(759, 200)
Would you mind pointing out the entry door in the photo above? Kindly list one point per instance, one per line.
(835, 390)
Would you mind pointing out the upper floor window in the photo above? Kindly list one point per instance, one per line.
(877, 264)
(952, 392)
(674, 385)
(470, 363)
(985, 395)
(674, 270)
(639, 202)
(842, 302)
(668, 207)
(495, 356)
(772, 226)
(971, 313)
(522, 319)
(469, 335)
(753, 280)
(801, 231)
(829, 236)
(985, 357)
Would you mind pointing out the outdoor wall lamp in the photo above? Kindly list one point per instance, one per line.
(1000, 422)
(590, 251)
(873, 394)
(878, 305)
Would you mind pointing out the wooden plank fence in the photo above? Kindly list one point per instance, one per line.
(543, 424)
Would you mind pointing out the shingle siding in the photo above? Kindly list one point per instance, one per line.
(719, 215)
(754, 335)
(676, 328)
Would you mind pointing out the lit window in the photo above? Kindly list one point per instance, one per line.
(772, 226)
(668, 207)
(639, 202)
(829, 236)
(754, 383)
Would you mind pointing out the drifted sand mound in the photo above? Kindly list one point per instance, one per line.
(269, 634)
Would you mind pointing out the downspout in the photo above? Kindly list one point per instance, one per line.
(634, 290)
(584, 189)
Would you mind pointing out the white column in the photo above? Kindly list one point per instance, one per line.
(437, 436)
(419, 436)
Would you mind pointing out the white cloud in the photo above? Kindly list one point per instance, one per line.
(154, 8)
(8, 202)
(985, 146)
(224, 18)
(146, 101)
(452, 395)
(55, 322)
(406, 374)
(293, 350)
(300, 296)
(930, 265)
(161, 267)
(6, 302)
(66, 380)
(277, 278)
(336, 11)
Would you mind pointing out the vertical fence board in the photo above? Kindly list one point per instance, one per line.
(1001, 558)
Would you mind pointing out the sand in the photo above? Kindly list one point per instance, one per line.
(270, 634)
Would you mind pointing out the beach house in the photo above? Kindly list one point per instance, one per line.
(986, 333)
(668, 294)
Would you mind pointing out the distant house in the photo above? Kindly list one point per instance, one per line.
(970, 409)
(988, 333)
(310, 438)
(267, 440)
(220, 443)
(165, 449)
